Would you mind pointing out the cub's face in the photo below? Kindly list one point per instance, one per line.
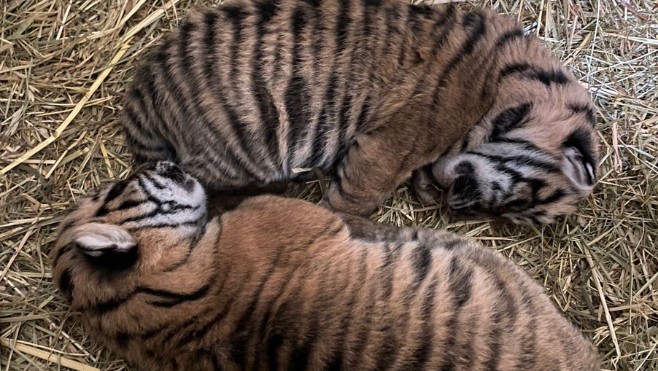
(528, 162)
(131, 220)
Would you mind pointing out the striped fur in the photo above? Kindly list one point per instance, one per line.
(255, 91)
(157, 283)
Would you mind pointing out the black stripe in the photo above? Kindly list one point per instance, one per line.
(138, 142)
(389, 347)
(153, 182)
(368, 56)
(193, 245)
(170, 100)
(320, 128)
(552, 198)
(528, 71)
(535, 184)
(328, 115)
(459, 282)
(158, 211)
(237, 16)
(273, 344)
(422, 354)
(104, 307)
(441, 30)
(401, 30)
(359, 53)
(202, 331)
(422, 257)
(577, 108)
(274, 341)
(303, 350)
(137, 97)
(186, 223)
(164, 131)
(115, 191)
(122, 340)
(415, 13)
(521, 160)
(168, 299)
(509, 119)
(364, 113)
(336, 361)
(245, 324)
(320, 137)
(210, 46)
(402, 329)
(275, 336)
(138, 116)
(337, 180)
(475, 21)
(522, 143)
(497, 52)
(62, 250)
(392, 22)
(128, 204)
(163, 62)
(178, 104)
(342, 23)
(387, 269)
(363, 328)
(504, 318)
(297, 97)
(151, 97)
(508, 36)
(65, 284)
(269, 116)
(240, 336)
(453, 243)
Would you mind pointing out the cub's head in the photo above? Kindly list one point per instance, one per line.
(126, 229)
(531, 158)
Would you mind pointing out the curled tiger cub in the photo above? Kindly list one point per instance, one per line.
(156, 281)
(255, 92)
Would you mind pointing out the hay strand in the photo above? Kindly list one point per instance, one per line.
(48, 356)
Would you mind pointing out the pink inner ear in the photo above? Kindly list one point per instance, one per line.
(95, 238)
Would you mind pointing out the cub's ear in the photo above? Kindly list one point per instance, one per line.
(579, 163)
(98, 240)
(579, 170)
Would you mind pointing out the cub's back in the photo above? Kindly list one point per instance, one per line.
(282, 283)
(354, 294)
(250, 91)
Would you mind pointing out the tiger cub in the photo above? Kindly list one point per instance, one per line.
(158, 283)
(256, 92)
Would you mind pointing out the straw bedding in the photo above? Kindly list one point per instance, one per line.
(64, 65)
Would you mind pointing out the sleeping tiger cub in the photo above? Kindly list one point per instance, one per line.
(254, 91)
(158, 283)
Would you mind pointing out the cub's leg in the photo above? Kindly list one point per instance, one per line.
(382, 157)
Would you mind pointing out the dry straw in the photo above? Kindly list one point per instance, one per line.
(64, 66)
